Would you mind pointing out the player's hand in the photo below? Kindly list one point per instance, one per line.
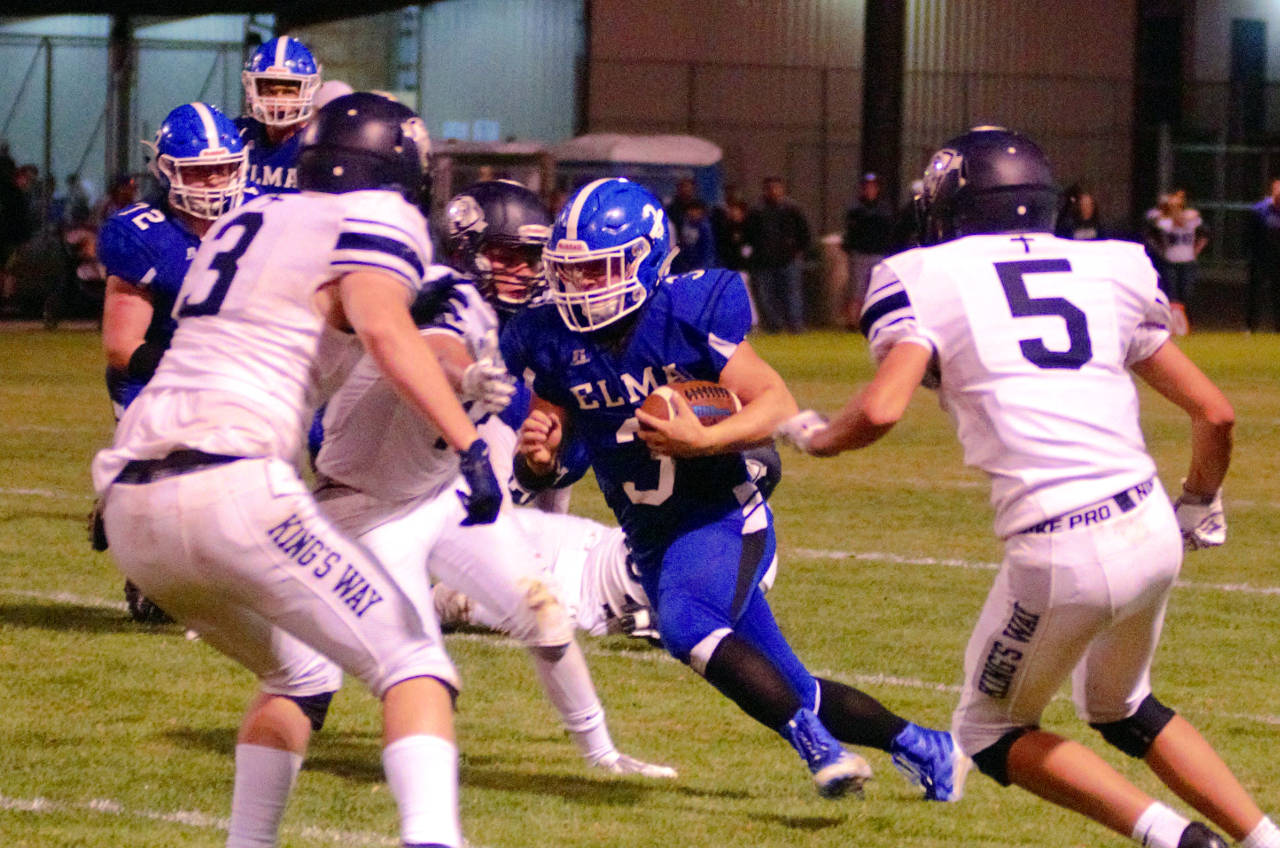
(680, 436)
(488, 384)
(638, 622)
(799, 430)
(539, 441)
(619, 763)
(1201, 519)
(484, 499)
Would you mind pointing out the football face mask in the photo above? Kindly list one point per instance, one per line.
(594, 288)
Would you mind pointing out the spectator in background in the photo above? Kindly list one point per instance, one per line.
(77, 208)
(1262, 238)
(1178, 235)
(1079, 219)
(696, 244)
(685, 197)
(122, 192)
(779, 237)
(868, 238)
(732, 248)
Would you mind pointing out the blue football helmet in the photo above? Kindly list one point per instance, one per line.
(609, 247)
(989, 180)
(496, 230)
(200, 160)
(280, 81)
(365, 141)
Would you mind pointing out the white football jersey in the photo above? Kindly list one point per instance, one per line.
(252, 357)
(374, 442)
(1032, 336)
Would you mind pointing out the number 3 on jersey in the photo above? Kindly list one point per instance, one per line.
(1023, 305)
(224, 264)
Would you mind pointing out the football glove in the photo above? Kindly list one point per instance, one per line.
(618, 763)
(799, 430)
(1201, 519)
(488, 384)
(638, 622)
(484, 499)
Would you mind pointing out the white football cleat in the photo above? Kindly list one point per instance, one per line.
(619, 763)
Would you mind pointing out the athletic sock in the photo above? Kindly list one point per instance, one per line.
(747, 677)
(567, 682)
(264, 778)
(1159, 827)
(856, 718)
(1265, 835)
(422, 773)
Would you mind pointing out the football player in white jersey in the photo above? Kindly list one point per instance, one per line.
(206, 512)
(385, 477)
(1029, 340)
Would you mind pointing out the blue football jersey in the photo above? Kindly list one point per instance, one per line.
(688, 329)
(146, 246)
(272, 168)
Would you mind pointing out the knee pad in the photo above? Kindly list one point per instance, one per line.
(1134, 734)
(993, 761)
(542, 622)
(314, 707)
(700, 654)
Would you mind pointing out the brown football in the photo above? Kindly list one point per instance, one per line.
(711, 402)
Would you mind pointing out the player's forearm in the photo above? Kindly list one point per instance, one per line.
(1210, 455)
(410, 365)
(377, 310)
(874, 410)
(754, 424)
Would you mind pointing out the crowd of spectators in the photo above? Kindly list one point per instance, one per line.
(48, 240)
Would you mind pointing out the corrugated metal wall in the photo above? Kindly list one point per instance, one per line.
(1062, 73)
(510, 61)
(778, 84)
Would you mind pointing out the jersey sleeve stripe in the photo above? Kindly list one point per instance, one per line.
(408, 236)
(389, 247)
(875, 311)
(398, 271)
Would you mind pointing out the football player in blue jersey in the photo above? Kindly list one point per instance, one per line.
(614, 328)
(280, 82)
(199, 158)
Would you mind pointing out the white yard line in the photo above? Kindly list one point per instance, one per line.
(898, 559)
(192, 818)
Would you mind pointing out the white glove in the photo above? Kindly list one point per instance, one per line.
(488, 384)
(618, 763)
(1201, 519)
(799, 430)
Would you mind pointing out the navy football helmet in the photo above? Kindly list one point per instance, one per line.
(989, 180)
(365, 141)
(496, 230)
(200, 160)
(609, 247)
(280, 81)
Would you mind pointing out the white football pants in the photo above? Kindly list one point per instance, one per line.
(240, 554)
(1090, 599)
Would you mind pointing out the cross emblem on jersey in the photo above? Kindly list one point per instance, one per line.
(1026, 243)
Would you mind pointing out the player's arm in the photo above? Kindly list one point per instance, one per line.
(766, 402)
(126, 315)
(1173, 375)
(871, 412)
(376, 307)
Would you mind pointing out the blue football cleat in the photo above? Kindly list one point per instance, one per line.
(835, 770)
(931, 760)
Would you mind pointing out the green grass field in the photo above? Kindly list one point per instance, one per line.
(116, 735)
